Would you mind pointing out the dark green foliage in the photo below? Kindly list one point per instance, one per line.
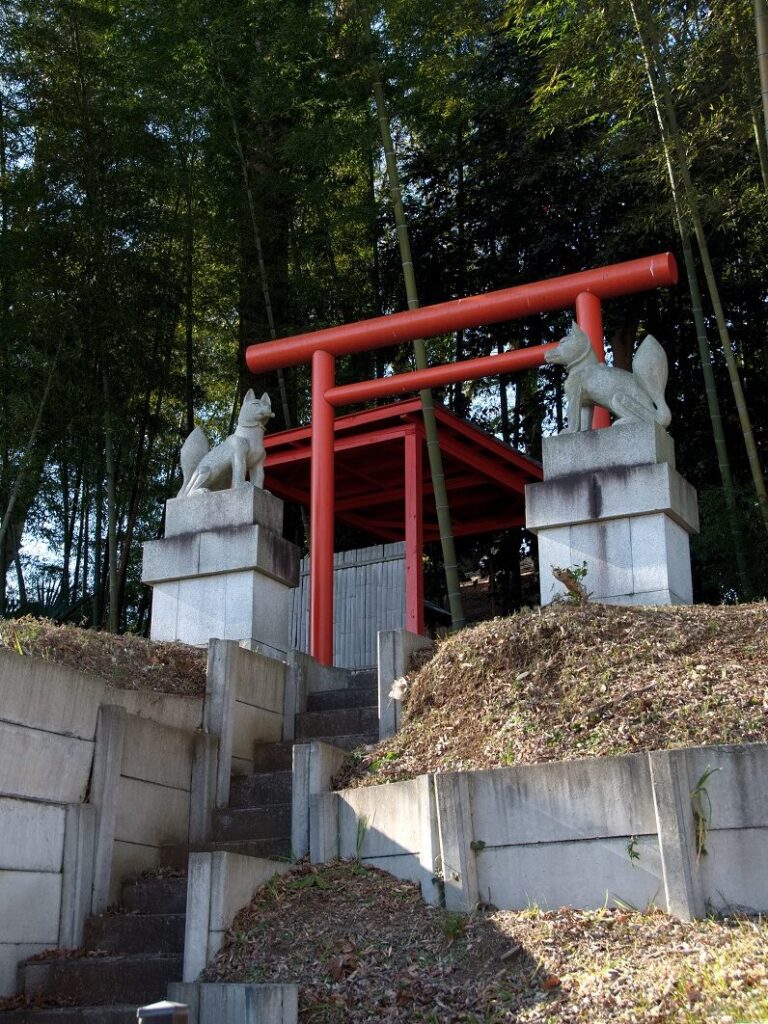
(144, 147)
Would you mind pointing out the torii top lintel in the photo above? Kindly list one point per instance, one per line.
(492, 307)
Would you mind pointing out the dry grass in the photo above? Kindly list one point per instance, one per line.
(125, 662)
(570, 681)
(364, 948)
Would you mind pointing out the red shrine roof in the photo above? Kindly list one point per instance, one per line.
(485, 478)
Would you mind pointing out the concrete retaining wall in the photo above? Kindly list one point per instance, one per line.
(685, 830)
(95, 781)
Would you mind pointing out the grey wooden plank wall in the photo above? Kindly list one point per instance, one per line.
(369, 595)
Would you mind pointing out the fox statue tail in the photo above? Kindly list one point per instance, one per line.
(651, 369)
(192, 452)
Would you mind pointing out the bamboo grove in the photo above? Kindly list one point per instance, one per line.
(180, 180)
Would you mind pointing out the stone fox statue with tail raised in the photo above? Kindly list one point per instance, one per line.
(638, 395)
(242, 453)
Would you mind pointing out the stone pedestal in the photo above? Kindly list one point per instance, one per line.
(223, 570)
(612, 498)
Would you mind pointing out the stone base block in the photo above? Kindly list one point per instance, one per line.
(631, 560)
(625, 444)
(215, 510)
(231, 606)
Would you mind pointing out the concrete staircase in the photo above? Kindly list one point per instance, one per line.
(144, 947)
(133, 957)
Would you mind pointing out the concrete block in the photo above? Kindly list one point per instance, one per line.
(155, 753)
(677, 833)
(647, 598)
(254, 725)
(237, 506)
(150, 814)
(394, 650)
(581, 874)
(628, 444)
(586, 799)
(108, 758)
(32, 836)
(11, 955)
(612, 493)
(314, 765)
(219, 703)
(554, 550)
(173, 558)
(29, 906)
(164, 620)
(324, 827)
(456, 831)
(44, 766)
(77, 873)
(221, 551)
(606, 549)
(231, 1003)
(40, 695)
(661, 557)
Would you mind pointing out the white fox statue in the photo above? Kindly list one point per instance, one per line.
(241, 455)
(638, 395)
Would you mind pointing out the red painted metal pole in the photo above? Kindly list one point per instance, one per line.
(414, 534)
(448, 373)
(321, 514)
(493, 307)
(589, 316)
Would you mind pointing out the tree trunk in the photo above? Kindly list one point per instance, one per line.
(761, 30)
(671, 127)
(109, 462)
(450, 561)
(705, 353)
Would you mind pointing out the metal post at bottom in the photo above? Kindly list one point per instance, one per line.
(164, 1012)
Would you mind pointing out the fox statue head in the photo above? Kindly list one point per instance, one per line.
(255, 412)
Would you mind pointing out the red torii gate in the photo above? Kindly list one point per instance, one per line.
(585, 291)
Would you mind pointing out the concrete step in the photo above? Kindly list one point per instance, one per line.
(91, 981)
(124, 1013)
(350, 741)
(314, 724)
(351, 697)
(261, 788)
(273, 757)
(266, 822)
(272, 847)
(131, 934)
(364, 677)
(157, 894)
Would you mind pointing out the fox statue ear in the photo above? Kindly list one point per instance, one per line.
(266, 400)
(249, 397)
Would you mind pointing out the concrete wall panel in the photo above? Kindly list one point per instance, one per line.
(392, 819)
(40, 694)
(42, 765)
(576, 874)
(11, 954)
(734, 871)
(595, 797)
(737, 790)
(29, 906)
(155, 753)
(31, 836)
(151, 815)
